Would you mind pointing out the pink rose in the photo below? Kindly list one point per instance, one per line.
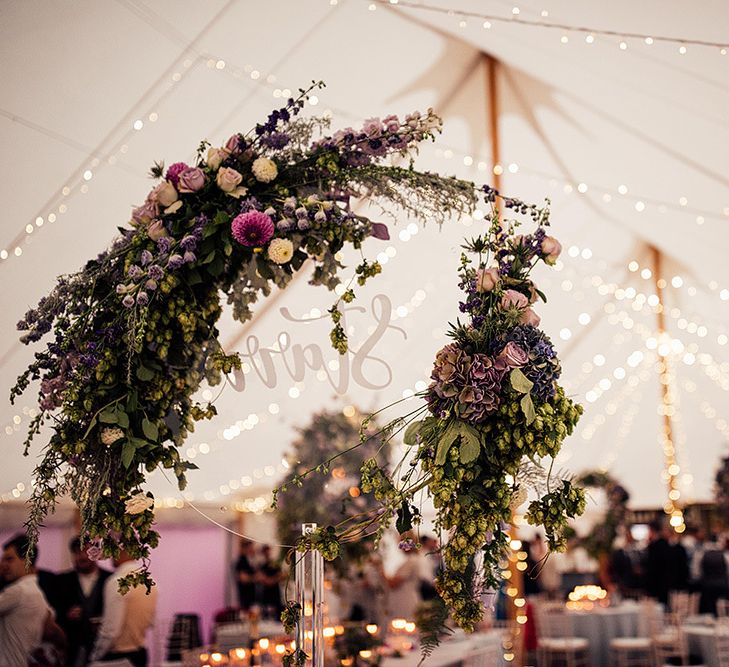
(156, 230)
(530, 317)
(551, 248)
(165, 194)
(514, 299)
(233, 144)
(487, 279)
(145, 213)
(191, 179)
(228, 179)
(94, 552)
(514, 355)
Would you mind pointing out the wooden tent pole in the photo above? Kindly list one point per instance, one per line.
(513, 651)
(672, 470)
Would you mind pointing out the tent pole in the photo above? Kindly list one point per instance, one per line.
(672, 470)
(515, 587)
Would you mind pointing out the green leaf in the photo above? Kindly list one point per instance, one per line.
(470, 443)
(228, 248)
(527, 407)
(144, 374)
(121, 417)
(404, 518)
(520, 382)
(132, 402)
(91, 425)
(194, 277)
(411, 433)
(127, 455)
(150, 430)
(108, 416)
(445, 441)
(210, 257)
(216, 267)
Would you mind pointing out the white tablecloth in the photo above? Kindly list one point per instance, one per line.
(601, 625)
(702, 642)
(451, 653)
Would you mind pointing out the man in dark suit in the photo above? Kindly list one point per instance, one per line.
(81, 603)
(659, 563)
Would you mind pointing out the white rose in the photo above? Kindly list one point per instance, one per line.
(280, 251)
(110, 435)
(264, 170)
(138, 503)
(215, 157)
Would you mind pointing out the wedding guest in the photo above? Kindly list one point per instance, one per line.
(126, 618)
(81, 603)
(269, 577)
(659, 563)
(713, 577)
(24, 610)
(245, 571)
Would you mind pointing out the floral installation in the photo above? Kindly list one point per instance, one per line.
(133, 333)
(599, 542)
(493, 412)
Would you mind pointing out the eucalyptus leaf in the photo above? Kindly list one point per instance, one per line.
(520, 382)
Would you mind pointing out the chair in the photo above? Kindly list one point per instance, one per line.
(556, 643)
(184, 634)
(638, 651)
(722, 647)
(683, 604)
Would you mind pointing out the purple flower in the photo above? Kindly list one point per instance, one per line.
(173, 172)
(252, 229)
(191, 179)
(155, 272)
(188, 243)
(284, 225)
(303, 224)
(145, 258)
(142, 299)
(407, 545)
(513, 355)
(134, 272)
(189, 257)
(128, 301)
(164, 244)
(151, 285)
(175, 262)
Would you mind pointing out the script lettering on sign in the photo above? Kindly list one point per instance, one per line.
(361, 365)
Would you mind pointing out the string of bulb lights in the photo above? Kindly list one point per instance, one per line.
(590, 32)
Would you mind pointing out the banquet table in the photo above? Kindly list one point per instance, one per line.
(702, 642)
(451, 653)
(601, 625)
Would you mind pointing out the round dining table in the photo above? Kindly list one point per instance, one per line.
(603, 624)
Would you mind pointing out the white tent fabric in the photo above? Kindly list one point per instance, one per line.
(629, 144)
